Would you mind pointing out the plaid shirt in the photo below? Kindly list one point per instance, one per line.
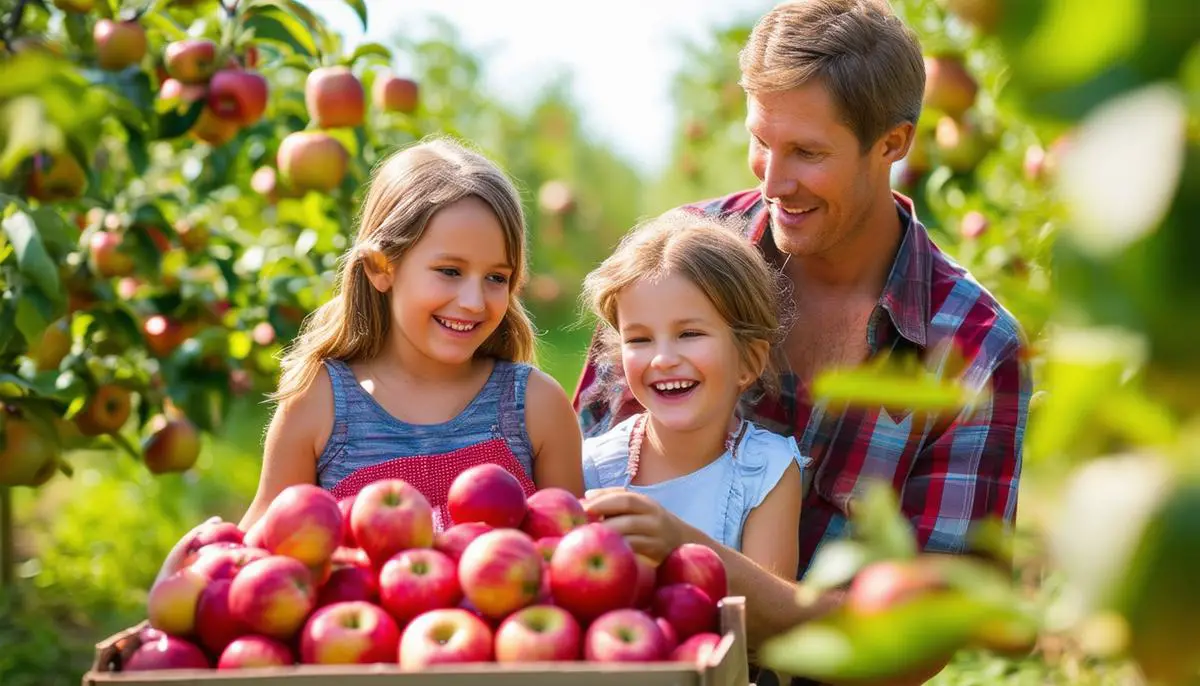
(949, 471)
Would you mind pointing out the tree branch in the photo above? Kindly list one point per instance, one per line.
(14, 22)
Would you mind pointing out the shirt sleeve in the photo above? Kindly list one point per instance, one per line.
(972, 471)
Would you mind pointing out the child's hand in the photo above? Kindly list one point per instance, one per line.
(179, 553)
(649, 528)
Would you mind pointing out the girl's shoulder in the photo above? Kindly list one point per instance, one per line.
(763, 457)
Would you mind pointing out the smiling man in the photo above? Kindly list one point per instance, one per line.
(834, 90)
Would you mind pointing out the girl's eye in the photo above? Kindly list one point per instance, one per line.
(448, 271)
(499, 278)
(632, 341)
(691, 334)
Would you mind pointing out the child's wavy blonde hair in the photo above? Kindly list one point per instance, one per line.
(712, 254)
(406, 190)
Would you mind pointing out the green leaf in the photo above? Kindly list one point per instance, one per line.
(880, 387)
(175, 122)
(163, 22)
(879, 524)
(58, 236)
(370, 49)
(906, 637)
(34, 314)
(8, 322)
(360, 8)
(27, 128)
(276, 25)
(32, 258)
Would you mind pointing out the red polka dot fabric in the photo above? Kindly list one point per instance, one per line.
(432, 475)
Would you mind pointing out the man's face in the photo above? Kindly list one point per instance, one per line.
(814, 175)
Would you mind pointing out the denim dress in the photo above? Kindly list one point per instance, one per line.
(716, 498)
(368, 443)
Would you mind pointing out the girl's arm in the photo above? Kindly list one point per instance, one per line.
(554, 433)
(295, 438)
(770, 536)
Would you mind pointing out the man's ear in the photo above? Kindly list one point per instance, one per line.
(377, 268)
(896, 141)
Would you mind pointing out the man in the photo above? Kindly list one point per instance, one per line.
(834, 90)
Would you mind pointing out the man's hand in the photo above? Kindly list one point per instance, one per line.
(649, 528)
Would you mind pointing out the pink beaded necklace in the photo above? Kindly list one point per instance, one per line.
(638, 433)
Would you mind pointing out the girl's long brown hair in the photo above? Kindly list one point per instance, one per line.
(406, 190)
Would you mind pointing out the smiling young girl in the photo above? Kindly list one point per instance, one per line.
(691, 317)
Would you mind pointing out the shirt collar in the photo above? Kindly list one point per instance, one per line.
(906, 293)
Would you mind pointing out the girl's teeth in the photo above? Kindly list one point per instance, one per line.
(674, 385)
(455, 325)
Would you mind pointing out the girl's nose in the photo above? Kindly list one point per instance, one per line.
(470, 297)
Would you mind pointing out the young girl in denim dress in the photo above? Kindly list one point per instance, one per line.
(691, 318)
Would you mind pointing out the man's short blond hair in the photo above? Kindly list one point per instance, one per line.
(867, 58)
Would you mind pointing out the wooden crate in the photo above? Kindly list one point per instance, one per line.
(726, 666)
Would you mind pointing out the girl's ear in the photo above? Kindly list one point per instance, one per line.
(377, 268)
(755, 364)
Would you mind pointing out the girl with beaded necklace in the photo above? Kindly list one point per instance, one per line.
(691, 313)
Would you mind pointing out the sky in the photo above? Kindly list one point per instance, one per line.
(622, 53)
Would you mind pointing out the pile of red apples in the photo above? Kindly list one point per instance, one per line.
(368, 579)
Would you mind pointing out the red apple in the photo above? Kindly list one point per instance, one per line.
(106, 255)
(689, 610)
(345, 505)
(444, 636)
(192, 60)
(546, 546)
(417, 581)
(173, 600)
(624, 635)
(696, 649)
(238, 96)
(214, 130)
(216, 627)
(395, 94)
(249, 652)
(303, 522)
(887, 583)
(349, 633)
(486, 493)
(647, 581)
(344, 556)
(56, 177)
(227, 534)
(553, 512)
(334, 97)
(273, 596)
(182, 93)
(350, 582)
(539, 633)
(167, 652)
(389, 516)
(218, 562)
(974, 224)
(501, 572)
(949, 87)
(698, 565)
(312, 161)
(670, 640)
(593, 570)
(454, 541)
(172, 446)
(119, 44)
